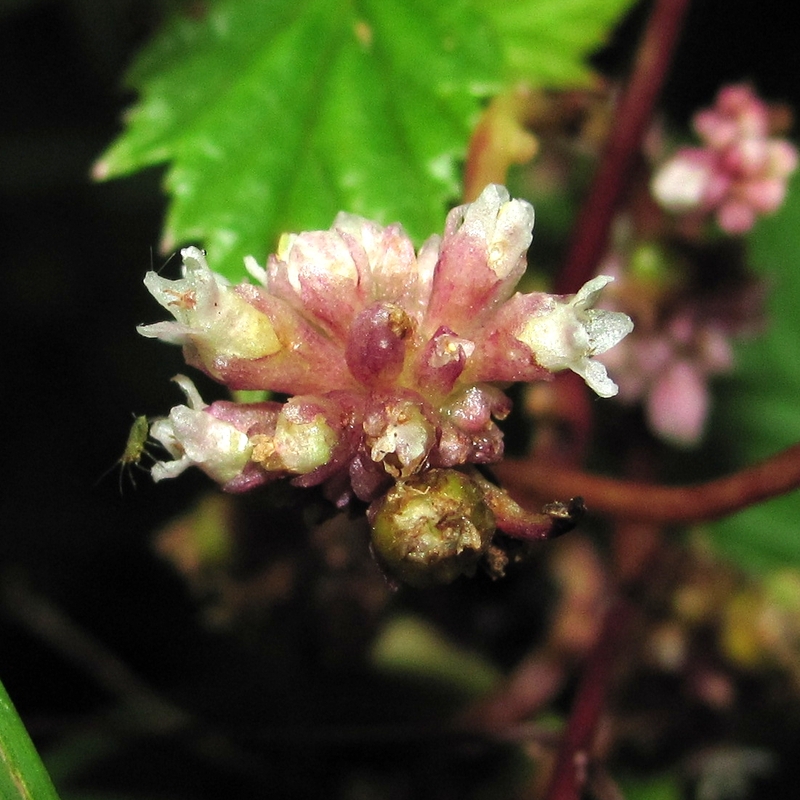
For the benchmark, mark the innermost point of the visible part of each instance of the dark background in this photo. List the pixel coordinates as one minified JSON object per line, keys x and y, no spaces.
{"x":74,"y":370}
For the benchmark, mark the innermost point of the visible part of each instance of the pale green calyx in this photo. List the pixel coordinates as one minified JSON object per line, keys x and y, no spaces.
{"x":303,"y":446}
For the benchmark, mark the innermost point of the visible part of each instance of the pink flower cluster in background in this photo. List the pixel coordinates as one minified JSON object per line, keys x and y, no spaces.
{"x":683,"y":338}
{"x":738,"y":173}
{"x":668,"y":370}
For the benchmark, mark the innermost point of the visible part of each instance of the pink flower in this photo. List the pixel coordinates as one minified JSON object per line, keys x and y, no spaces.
{"x":737,"y":174}
{"x":667,"y":365}
{"x":678,"y":404}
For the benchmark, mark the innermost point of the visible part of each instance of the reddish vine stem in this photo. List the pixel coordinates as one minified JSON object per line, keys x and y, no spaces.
{"x":622,"y":149}
{"x":574,"y":749}
{"x":588,"y":245}
{"x":646,"y":502}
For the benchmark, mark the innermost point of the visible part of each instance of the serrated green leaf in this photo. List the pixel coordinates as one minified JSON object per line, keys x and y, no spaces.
{"x":274,"y":116}
{"x":760,"y":411}
{"x":547,"y":41}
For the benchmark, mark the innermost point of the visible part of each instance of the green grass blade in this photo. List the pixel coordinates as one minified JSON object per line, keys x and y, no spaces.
{"x":22,"y":774}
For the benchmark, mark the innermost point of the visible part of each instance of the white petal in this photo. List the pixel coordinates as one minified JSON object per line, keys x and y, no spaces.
{"x":190,"y":390}
{"x":162,"y":470}
{"x":680,"y":184}
{"x":596,"y":377}
{"x":605,"y":329}
{"x":588,"y":293}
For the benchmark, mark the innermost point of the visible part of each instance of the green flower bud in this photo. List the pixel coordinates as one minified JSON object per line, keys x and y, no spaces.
{"x":432,"y":527}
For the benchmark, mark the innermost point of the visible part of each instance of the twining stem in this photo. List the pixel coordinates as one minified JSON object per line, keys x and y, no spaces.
{"x":575,"y":746}
{"x":573,"y":763}
{"x":591,"y":229}
{"x":647,"y":502}
{"x":634,"y":502}
{"x":589,"y":243}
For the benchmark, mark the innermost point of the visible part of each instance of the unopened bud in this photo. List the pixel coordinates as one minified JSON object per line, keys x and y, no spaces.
{"x":376,"y":344}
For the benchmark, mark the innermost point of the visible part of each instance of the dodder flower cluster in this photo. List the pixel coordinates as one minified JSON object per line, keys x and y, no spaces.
{"x":392,"y":360}
{"x":738,"y":173}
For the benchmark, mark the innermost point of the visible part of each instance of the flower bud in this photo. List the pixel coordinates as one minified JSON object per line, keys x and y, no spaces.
{"x":320,"y":269}
{"x":376,"y":344}
{"x":303,"y":440}
{"x":481,"y":259}
{"x":432,"y":527}
{"x":443,"y":360}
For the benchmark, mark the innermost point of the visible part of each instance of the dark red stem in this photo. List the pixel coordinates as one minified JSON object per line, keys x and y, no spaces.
{"x":575,"y":746}
{"x":589,"y":243}
{"x":591,"y":230}
{"x":646,"y":502}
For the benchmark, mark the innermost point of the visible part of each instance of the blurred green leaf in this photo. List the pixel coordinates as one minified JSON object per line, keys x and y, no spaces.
{"x":410,"y":646}
{"x":760,"y":409}
{"x":662,"y":787}
{"x":22,"y":774}
{"x":274,"y":116}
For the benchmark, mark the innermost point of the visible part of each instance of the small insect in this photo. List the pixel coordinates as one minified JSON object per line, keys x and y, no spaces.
{"x":136,"y":445}
{"x":135,"y":450}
